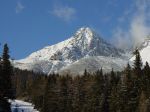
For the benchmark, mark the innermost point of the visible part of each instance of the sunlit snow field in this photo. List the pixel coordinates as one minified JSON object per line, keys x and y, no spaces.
{"x":21,"y":106}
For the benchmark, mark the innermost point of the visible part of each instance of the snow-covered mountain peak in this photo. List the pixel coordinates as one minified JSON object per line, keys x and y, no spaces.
{"x":85,"y":42}
{"x":73,"y":48}
{"x":86,"y":35}
{"x":85,"y":30}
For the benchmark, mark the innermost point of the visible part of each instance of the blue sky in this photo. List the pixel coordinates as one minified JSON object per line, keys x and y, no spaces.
{"x":29,"y":25}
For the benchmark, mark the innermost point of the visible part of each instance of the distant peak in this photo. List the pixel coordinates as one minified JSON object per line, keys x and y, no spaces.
{"x":85,"y":29}
{"x":86,"y":32}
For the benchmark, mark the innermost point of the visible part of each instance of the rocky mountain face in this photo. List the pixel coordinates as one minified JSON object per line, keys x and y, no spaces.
{"x":85,"y":47}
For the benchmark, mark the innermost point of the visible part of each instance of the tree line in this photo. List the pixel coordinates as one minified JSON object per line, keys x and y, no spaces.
{"x":126,"y":91}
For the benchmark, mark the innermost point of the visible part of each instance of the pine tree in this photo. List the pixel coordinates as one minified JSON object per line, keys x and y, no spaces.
{"x":80,"y":94}
{"x":50,"y":98}
{"x":127,"y":77}
{"x":97,"y":95}
{"x":133,"y":95}
{"x":146,"y":67}
{"x":64,"y":93}
{"x":1,"y":78}
{"x":123,"y":97}
{"x":85,"y":72}
{"x":124,"y":89}
{"x":137,"y":64}
{"x":146,"y":79}
{"x":127,"y":73}
{"x":136,"y":83}
{"x":107,"y":92}
{"x":6,"y":81}
{"x":113,"y":78}
{"x":7,"y":73}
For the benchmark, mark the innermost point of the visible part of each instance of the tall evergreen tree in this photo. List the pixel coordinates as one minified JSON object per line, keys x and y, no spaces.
{"x":98,"y":92}
{"x":137,"y":64}
{"x":7,"y":73}
{"x":1,"y":78}
{"x":127,"y":73}
{"x":146,"y":79}
{"x":131,"y":87}
{"x":6,"y":79}
{"x":50,"y":98}
{"x":64,"y":94}
{"x":136,"y":83}
{"x":146,"y":67}
{"x":125,"y":90}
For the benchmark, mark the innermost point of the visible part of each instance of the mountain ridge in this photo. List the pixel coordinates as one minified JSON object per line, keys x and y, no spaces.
{"x":84,"y":43}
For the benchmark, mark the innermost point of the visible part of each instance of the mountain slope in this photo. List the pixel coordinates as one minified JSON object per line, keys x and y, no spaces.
{"x":53,"y":58}
{"x":144,"y":50}
{"x":94,"y":63}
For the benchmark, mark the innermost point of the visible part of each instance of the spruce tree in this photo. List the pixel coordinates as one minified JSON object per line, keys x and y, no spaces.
{"x":146,"y":78}
{"x":137,"y":64}
{"x":124,"y":89}
{"x":127,"y":90}
{"x":123,"y":97}
{"x":98,"y":92}
{"x":1,"y":78}
{"x":147,"y":67}
{"x":79,"y":94}
{"x":64,"y":93}
{"x":5,"y":80}
{"x":136,"y":84}
{"x":50,"y":98}
{"x":127,"y":73}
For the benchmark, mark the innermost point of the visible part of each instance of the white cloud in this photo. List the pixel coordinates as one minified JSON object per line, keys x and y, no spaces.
{"x":19,"y":7}
{"x":64,"y":12}
{"x":139,"y":28}
{"x":121,"y":39}
{"x":125,"y":16}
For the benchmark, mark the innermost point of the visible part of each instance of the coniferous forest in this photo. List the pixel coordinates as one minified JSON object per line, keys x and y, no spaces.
{"x":126,"y":91}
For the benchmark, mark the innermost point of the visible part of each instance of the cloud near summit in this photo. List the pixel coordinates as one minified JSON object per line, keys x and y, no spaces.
{"x":19,"y":7}
{"x":65,"y":13}
{"x":138,"y":28}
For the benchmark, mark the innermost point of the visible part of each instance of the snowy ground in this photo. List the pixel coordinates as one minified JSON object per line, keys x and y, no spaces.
{"x":21,"y":106}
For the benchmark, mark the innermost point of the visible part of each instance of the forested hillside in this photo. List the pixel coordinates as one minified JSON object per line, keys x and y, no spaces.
{"x":126,"y":91}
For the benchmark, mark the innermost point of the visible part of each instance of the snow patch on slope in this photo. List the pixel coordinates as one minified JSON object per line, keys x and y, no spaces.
{"x":144,"y":50}
{"x":21,"y":106}
{"x":94,"y":63}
